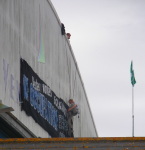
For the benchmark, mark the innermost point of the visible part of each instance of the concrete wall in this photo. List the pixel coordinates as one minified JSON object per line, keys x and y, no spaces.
{"x":121,"y":143}
{"x":26,"y":27}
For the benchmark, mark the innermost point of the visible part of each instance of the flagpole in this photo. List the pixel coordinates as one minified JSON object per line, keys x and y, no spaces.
{"x":132,"y":111}
{"x":133,"y":82}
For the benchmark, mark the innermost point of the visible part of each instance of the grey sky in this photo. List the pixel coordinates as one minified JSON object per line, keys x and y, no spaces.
{"x":106,"y":36}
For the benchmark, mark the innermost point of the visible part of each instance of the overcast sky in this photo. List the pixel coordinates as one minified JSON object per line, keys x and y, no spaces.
{"x":106,"y":36}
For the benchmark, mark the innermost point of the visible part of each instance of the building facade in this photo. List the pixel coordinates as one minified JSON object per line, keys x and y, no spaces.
{"x":39,"y":73}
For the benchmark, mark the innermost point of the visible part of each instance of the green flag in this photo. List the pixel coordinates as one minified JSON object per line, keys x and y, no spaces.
{"x":133,"y":81}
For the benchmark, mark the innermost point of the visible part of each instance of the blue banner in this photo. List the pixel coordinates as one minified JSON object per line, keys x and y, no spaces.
{"x":40,"y":102}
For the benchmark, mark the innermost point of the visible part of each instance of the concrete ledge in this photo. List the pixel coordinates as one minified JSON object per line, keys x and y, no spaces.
{"x":98,"y":139}
{"x":115,"y":143}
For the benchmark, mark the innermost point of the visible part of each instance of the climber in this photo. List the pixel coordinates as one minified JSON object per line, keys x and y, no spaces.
{"x":72,"y":111}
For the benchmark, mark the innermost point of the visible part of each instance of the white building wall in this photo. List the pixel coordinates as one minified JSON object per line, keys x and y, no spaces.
{"x":26,"y":25}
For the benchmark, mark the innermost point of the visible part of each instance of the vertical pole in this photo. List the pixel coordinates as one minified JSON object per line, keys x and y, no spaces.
{"x":132,"y":112}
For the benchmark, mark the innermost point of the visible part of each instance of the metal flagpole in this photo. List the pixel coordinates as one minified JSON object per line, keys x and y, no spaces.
{"x":133,"y":82}
{"x":132,"y":111}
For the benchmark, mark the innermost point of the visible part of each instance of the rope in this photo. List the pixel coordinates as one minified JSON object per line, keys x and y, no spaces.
{"x":74,"y":84}
{"x":68,"y":71}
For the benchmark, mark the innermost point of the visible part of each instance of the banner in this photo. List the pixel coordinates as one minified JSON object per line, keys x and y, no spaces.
{"x":40,"y":102}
